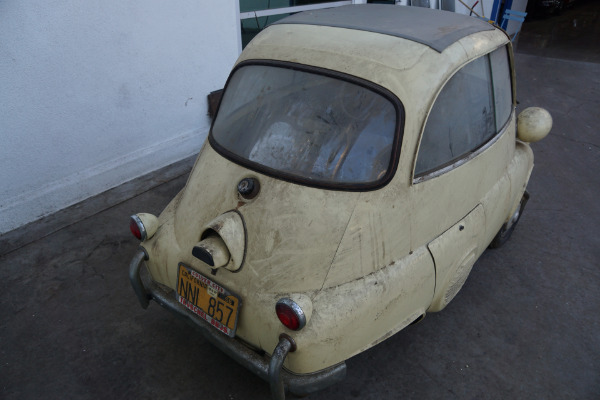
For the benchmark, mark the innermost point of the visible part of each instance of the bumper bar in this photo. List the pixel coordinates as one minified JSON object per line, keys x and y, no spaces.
{"x":278,"y":378}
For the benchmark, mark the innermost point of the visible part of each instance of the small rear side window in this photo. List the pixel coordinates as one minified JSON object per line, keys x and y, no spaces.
{"x":501,"y":78}
{"x":470,"y":110}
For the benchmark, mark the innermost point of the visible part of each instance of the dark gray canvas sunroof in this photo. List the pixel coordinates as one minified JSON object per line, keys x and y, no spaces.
{"x":434,"y":28}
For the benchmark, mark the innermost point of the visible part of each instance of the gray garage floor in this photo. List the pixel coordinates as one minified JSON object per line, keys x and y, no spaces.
{"x":525,"y":326}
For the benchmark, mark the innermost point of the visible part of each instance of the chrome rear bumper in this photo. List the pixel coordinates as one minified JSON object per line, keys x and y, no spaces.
{"x":267,"y":368}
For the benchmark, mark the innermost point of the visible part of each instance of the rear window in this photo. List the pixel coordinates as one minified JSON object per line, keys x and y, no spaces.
{"x":305,"y":126}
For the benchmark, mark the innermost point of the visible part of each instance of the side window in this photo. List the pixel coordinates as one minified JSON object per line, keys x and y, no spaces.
{"x":501,"y":78}
{"x":468,"y":112}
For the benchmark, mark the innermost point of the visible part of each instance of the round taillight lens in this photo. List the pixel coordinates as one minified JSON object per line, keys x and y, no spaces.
{"x":290,"y":314}
{"x":137,"y":227}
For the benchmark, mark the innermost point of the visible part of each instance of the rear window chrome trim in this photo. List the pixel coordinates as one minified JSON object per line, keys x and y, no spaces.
{"x":342,"y":186}
{"x":462,"y":159}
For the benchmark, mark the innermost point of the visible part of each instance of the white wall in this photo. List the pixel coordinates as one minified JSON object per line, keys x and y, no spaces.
{"x":94,"y":94}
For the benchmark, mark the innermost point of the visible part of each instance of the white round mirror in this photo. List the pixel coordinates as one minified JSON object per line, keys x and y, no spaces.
{"x":533,"y":124}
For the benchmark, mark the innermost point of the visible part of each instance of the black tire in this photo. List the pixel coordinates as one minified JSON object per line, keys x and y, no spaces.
{"x":506,"y":231}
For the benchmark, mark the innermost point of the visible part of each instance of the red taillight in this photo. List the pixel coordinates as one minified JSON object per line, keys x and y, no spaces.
{"x":137,"y":227}
{"x":290,"y":314}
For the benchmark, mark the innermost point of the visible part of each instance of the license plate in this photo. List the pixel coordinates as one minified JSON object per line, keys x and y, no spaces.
{"x":208,"y":300}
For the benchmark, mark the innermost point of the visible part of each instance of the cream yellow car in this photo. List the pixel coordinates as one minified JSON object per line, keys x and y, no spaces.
{"x":360,"y":161}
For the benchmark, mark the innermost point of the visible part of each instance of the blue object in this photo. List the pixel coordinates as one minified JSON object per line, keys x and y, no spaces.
{"x":496,"y":10}
{"x":512,"y":15}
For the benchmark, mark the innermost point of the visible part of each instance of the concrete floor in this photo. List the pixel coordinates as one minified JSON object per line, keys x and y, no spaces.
{"x":524,"y":326}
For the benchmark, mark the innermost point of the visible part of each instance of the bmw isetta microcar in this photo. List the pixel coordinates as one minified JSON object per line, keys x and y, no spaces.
{"x":360,"y":161}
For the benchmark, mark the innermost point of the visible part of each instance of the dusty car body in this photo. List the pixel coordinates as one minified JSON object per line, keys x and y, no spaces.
{"x":361,"y":160}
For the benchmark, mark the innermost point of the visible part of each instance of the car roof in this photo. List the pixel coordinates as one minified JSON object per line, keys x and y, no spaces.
{"x":434,"y":28}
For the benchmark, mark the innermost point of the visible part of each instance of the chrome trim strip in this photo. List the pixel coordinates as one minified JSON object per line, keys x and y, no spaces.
{"x":459,"y":162}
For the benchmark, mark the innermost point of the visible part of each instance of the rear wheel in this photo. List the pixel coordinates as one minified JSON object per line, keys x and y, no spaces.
{"x":507,"y":229}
